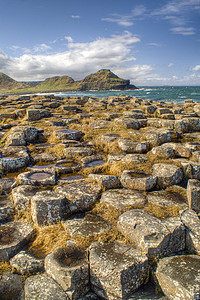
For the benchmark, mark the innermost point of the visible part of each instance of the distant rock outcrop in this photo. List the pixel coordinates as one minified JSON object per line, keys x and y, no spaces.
{"x":99,"y":81}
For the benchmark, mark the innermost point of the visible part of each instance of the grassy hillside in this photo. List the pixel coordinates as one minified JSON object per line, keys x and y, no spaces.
{"x":102,"y":80}
{"x":7,"y":83}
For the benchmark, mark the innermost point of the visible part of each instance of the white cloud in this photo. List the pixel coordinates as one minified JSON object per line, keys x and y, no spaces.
{"x":178,"y":14}
{"x":41,"y":48}
{"x":127,"y":20}
{"x":170,"y":65}
{"x":75,"y":17}
{"x":78,"y":61}
{"x":196,"y":68}
{"x":183,"y":30}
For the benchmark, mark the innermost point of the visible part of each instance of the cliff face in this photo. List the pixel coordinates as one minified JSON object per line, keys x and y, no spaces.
{"x":101,"y":80}
{"x":104,"y":80}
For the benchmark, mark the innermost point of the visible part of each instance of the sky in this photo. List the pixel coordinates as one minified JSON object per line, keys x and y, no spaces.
{"x":150,"y":42}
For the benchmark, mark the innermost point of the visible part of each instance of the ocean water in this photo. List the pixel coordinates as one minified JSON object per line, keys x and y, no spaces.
{"x":159,"y":93}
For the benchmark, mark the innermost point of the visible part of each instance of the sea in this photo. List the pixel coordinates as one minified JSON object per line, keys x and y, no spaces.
{"x":157,"y":93}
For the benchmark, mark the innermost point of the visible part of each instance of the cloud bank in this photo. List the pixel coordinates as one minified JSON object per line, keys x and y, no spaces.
{"x":77,"y":61}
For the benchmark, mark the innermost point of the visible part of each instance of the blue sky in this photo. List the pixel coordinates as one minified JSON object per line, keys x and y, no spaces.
{"x":150,"y":42}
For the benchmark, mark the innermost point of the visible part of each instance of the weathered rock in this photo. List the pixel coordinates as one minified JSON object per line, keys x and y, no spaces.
{"x":43,"y":287}
{"x":78,"y":151}
{"x":150,"y":235}
{"x":21,"y":196}
{"x":165,"y":204}
{"x":81,"y":197}
{"x":17,"y":161}
{"x":86,"y":226}
{"x":193,"y":194}
{"x":134,"y":158}
{"x":137,"y":180}
{"x":70,"y":269}
{"x":6,"y":208}
{"x":92,"y":161}
{"x":116,"y":270}
{"x":109,"y":138}
{"x":192,"y":223}
{"x":11,"y":286}
{"x":158,"y":137}
{"x":6,"y":184}
{"x":26,"y":264}
{"x":167,"y":174}
{"x":122,"y":199}
{"x":178,"y":276}
{"x":13,"y":236}
{"x":68,"y":134}
{"x":33,"y":114}
{"x":37,"y":178}
{"x":44,"y":157}
{"x":115,"y":157}
{"x":129,"y":146}
{"x":165,"y":150}
{"x":106,"y":181}
{"x":128,"y":123}
{"x":48,"y":208}
{"x":67,"y":166}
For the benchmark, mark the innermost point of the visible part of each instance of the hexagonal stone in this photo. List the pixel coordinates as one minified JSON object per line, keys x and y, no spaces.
{"x":69,"y":268}
{"x":109,"y":138}
{"x":81,"y":196}
{"x":158,"y":136}
{"x":6,"y":184}
{"x":33,"y":114}
{"x":167,"y":174}
{"x":129,"y":146}
{"x":151,"y":235}
{"x":106,"y":181}
{"x":69,"y":134}
{"x":37,"y":178}
{"x":6,"y":208}
{"x":43,"y":287}
{"x":25,"y":263}
{"x":128,"y":123}
{"x":67,"y":166}
{"x":87,"y":226}
{"x":179,"y":276}
{"x":134,"y":158}
{"x":11,"y":286}
{"x":138,"y":180}
{"x":165,"y":203}
{"x":78,"y":151}
{"x":21,"y":196}
{"x":191,"y":221}
{"x":121,"y":199}
{"x":48,"y":208}
{"x":193,"y":194}
{"x":13,"y":236}
{"x":13,"y":163}
{"x":116,"y":270}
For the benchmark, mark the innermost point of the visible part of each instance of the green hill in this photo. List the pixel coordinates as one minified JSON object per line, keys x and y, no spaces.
{"x":7,"y":83}
{"x":101,"y":80}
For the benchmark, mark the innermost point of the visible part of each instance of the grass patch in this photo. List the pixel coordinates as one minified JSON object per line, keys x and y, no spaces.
{"x":5,"y":267}
{"x":48,"y":239}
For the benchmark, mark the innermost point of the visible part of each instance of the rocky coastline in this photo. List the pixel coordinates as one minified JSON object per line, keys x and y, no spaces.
{"x":100,"y":198}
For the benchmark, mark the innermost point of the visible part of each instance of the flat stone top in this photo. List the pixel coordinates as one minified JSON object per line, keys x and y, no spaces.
{"x":39,"y":175}
{"x":74,"y":191}
{"x":117,"y":254}
{"x":123,"y":198}
{"x":184,"y":269}
{"x":166,"y":198}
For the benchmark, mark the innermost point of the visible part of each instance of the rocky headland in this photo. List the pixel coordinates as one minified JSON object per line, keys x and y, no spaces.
{"x":100,"y":81}
{"x":100,"y":198}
